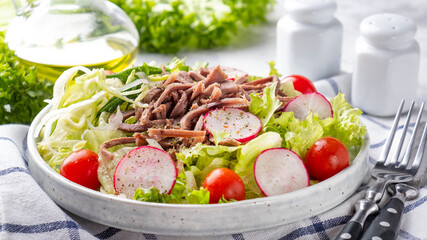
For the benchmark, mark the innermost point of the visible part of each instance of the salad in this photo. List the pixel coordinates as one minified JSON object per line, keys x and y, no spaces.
{"x":195,"y":135}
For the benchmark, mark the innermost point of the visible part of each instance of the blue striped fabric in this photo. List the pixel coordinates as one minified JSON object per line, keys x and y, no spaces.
{"x":26,"y":212}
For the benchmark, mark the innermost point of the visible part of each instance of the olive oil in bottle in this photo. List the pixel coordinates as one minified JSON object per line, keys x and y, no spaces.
{"x":58,"y":34}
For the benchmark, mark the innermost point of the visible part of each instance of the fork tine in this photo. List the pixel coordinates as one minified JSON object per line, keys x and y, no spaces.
{"x":396,"y":156}
{"x":389,"y":141}
{"x":408,"y":152}
{"x":395,"y":159}
{"x":420,"y":151}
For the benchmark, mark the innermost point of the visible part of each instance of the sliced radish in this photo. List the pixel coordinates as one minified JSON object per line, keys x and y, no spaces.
{"x":242,"y":126}
{"x":145,"y":167}
{"x":232,"y":73}
{"x":280,"y":170}
{"x":314,"y":102}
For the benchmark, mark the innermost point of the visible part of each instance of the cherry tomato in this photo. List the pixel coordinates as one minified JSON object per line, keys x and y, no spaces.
{"x":223,"y":181}
{"x":301,"y":83}
{"x":326,"y":157}
{"x":81,"y":167}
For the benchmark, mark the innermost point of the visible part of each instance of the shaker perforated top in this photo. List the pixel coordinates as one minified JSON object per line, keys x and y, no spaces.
{"x":388,"y":29}
{"x":311,"y":11}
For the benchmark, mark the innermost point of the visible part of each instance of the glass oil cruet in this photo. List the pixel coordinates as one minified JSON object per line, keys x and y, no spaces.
{"x":55,"y":35}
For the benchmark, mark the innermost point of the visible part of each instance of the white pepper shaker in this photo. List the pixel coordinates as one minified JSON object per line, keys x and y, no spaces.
{"x":309,"y":39}
{"x":387,"y":64}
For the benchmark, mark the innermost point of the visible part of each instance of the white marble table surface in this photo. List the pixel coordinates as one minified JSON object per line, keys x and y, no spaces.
{"x":257,"y":46}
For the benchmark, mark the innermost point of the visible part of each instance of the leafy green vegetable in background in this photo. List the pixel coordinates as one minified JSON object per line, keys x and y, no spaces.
{"x":166,"y":26}
{"x":22,"y":94}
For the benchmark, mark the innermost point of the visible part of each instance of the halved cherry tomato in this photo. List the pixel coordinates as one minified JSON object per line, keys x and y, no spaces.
{"x":301,"y":83}
{"x":223,"y":181}
{"x":81,"y":167}
{"x":326,"y":157}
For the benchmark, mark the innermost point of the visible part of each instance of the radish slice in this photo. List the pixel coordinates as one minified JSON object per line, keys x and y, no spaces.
{"x":242,"y":126}
{"x":314,"y":102}
{"x":280,"y":170}
{"x":232,"y":73}
{"x":145,"y":167}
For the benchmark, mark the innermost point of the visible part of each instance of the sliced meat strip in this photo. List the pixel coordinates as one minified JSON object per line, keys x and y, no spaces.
{"x":169,"y":106}
{"x":241,"y":80}
{"x":196,"y":76}
{"x":141,"y":139}
{"x":252,"y":87}
{"x":114,"y":142}
{"x":215,"y":76}
{"x":171,"y":79}
{"x":146,"y":114}
{"x":277,"y":81}
{"x":244,"y":93}
{"x":153,"y":94}
{"x":230,"y":102}
{"x":198,"y":89}
{"x":142,"y":127}
{"x":180,"y":107}
{"x":208,"y":91}
{"x":175,"y":133}
{"x":261,"y":81}
{"x":174,"y":97}
{"x":199,"y":123}
{"x":138,"y":112}
{"x":160,"y":112}
{"x":183,"y":77}
{"x":229,"y":87}
{"x":170,"y":89}
{"x":187,"y":120}
{"x":215,"y":96}
{"x":169,"y":143}
{"x":204,"y":72}
{"x":284,"y":101}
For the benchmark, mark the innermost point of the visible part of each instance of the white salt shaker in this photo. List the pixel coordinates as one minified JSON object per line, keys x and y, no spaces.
{"x":387,"y":64}
{"x":309,"y":39}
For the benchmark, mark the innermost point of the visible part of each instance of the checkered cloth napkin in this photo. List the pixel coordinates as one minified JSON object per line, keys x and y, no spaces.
{"x":26,"y":212}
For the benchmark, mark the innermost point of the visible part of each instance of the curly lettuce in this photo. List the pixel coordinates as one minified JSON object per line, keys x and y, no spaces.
{"x":167,"y":26}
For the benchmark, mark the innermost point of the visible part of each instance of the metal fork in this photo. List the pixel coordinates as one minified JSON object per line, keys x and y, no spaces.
{"x":387,"y":171}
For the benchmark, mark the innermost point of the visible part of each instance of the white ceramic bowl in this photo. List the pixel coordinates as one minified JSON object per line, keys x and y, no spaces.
{"x":195,"y":220}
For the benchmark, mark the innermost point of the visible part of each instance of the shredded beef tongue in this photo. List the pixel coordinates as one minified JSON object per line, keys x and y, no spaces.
{"x":216,"y":76}
{"x":180,"y":107}
{"x":261,"y":81}
{"x":170,"y":89}
{"x":152,"y":94}
{"x":196,"y":76}
{"x":114,"y":142}
{"x":160,"y":112}
{"x":175,"y":133}
{"x":183,"y":77}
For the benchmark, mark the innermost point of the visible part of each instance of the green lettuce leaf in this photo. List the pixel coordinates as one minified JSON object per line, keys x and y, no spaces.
{"x":180,"y":194}
{"x":347,"y":128}
{"x":265,"y":107}
{"x":202,"y":159}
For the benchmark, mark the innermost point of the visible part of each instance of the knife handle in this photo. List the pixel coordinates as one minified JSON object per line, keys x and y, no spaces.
{"x":351,"y":231}
{"x":386,"y":224}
